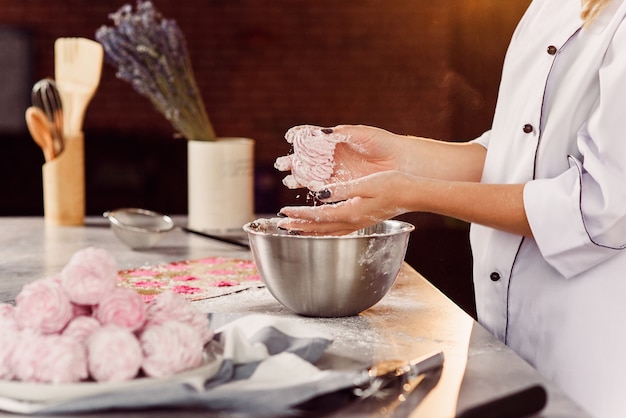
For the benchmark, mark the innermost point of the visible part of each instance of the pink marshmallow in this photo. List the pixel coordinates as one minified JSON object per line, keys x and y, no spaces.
{"x":81,"y":328}
{"x":170,"y":348}
{"x":10,"y":339}
{"x":49,"y":359}
{"x":123,"y":307}
{"x":43,"y":305}
{"x":312,"y":162}
{"x":169,"y":306}
{"x":114,"y":354}
{"x":90,"y":274}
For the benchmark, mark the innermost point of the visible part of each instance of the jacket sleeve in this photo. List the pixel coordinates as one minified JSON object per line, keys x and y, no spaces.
{"x":578,"y":219}
{"x":483,"y":139}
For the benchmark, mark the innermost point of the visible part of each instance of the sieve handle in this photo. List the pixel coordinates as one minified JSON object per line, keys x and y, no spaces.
{"x":216,"y":237}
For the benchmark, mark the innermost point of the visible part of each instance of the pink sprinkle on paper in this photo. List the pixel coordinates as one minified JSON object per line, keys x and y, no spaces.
{"x":224,"y":283}
{"x":185,"y":290}
{"x":148,"y":283}
{"x":185,"y":278}
{"x":143,"y":272}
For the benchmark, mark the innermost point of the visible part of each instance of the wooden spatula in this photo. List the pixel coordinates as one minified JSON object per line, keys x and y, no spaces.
{"x":77,"y":70}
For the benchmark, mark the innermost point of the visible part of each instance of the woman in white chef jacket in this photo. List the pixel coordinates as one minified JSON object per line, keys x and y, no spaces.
{"x":544,"y":189}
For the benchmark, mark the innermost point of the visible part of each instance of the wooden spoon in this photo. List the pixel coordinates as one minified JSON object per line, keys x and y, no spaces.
{"x":39,"y":129}
{"x":77,"y":71}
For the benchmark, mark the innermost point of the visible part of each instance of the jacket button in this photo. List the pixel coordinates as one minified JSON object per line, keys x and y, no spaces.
{"x":495,"y":276}
{"x":528,"y":128}
{"x":552,"y":50}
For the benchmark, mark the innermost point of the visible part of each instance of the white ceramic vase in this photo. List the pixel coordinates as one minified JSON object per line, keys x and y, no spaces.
{"x":220,"y":178}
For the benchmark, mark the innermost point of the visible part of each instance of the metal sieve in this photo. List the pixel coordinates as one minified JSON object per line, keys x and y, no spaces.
{"x":143,"y":228}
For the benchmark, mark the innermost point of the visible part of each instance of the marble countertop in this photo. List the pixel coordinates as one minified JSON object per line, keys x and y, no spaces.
{"x":412,"y":320}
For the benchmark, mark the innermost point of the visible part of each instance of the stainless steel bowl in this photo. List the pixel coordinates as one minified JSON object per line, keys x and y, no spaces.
{"x":139,"y":228}
{"x":329,"y":276}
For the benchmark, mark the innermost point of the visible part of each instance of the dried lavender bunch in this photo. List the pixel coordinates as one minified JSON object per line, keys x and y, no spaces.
{"x":151,"y":54}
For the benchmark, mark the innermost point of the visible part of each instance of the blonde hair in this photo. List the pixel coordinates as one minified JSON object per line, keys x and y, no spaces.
{"x":591,"y":9}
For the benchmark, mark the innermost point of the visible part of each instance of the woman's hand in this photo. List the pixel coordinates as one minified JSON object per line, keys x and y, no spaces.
{"x":352,"y":205}
{"x":356,"y":204}
{"x":359,"y":151}
{"x":364,"y":150}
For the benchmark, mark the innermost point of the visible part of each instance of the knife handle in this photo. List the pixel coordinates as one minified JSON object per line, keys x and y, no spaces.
{"x":424,"y":364}
{"x":522,"y":403}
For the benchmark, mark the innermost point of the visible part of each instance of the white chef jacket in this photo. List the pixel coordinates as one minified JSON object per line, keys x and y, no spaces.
{"x":559,"y":299}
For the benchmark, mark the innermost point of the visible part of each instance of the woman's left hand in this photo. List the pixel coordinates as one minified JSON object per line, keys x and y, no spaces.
{"x":351,"y":205}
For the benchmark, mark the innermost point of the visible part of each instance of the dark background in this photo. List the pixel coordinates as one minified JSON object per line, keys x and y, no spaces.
{"x":429,"y":68}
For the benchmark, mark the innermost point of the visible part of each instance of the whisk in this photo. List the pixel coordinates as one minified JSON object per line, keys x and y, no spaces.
{"x":46,"y":97}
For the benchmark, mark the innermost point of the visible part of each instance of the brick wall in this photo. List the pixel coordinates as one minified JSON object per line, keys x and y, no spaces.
{"x":262,"y":66}
{"x":265,"y":65}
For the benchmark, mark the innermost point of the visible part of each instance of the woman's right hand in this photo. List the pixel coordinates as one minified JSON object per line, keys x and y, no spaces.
{"x":355,"y":204}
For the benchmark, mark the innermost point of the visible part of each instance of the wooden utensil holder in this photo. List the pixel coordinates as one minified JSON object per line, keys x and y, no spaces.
{"x":64,"y":185}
